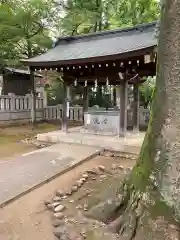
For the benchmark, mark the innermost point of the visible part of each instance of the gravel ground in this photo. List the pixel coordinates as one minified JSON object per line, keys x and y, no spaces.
{"x":27,"y":218}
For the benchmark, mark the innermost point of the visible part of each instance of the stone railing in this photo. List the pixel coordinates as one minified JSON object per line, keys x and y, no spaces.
{"x":76,"y":113}
{"x":16,"y":103}
{"x":14,"y":108}
{"x":143,"y":117}
{"x":55,"y":112}
{"x":19,"y":108}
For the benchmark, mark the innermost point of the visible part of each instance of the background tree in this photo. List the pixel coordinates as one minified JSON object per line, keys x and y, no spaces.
{"x":25,"y":29}
{"x":83,"y":16}
{"x":147,"y":91}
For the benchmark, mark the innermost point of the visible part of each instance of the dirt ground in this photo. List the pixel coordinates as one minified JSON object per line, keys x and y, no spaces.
{"x":11,"y":136}
{"x":27,"y":218}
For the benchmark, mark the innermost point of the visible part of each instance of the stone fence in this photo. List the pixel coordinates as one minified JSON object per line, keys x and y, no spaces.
{"x":14,"y":108}
{"x":76,"y":113}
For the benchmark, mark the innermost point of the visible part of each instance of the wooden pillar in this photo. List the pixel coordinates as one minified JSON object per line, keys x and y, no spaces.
{"x":114,"y":96}
{"x":65,"y":109}
{"x":136,"y":108}
{"x":33,"y":98}
{"x":85,"y":99}
{"x":123,"y":108}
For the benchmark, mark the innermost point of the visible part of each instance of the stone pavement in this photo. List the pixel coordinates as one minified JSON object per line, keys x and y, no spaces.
{"x":26,"y":172}
{"x":131,"y":143}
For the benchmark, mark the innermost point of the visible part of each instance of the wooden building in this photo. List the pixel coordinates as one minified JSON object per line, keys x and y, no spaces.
{"x":118,"y":57}
{"x":18,"y":81}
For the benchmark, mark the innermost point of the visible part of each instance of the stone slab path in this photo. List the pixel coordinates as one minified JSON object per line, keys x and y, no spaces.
{"x":131,"y":143}
{"x":22,"y":174}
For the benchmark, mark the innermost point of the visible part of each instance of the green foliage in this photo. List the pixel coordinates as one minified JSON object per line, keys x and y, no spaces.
{"x":82,"y":16}
{"x":133,"y":12}
{"x":147,"y":91}
{"x":25,"y":29}
{"x":55,"y":92}
{"x":100,"y":97}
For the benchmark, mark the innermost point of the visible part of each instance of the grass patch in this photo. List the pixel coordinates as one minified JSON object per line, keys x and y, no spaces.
{"x":11,"y":136}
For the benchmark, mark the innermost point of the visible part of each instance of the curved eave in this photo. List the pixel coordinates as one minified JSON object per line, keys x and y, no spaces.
{"x":118,"y":56}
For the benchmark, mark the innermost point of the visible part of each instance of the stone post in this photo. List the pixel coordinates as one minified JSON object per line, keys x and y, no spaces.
{"x":136,"y":108}
{"x":12,"y":101}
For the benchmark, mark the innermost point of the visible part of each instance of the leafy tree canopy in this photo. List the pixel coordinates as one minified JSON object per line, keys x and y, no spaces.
{"x":82,"y":16}
{"x":25,"y":29}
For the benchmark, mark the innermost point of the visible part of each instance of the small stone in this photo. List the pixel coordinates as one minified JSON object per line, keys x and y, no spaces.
{"x":59,"y":193}
{"x":59,"y":215}
{"x":121,"y":167}
{"x":71,"y":201}
{"x":59,"y":208}
{"x":108,"y":154}
{"x":57,"y":222}
{"x":64,"y":197}
{"x":93,"y":178}
{"x":74,"y":188}
{"x":101,"y":168}
{"x":79,"y":183}
{"x":46,"y":202}
{"x":57,"y":199}
{"x":103,"y":176}
{"x":55,"y":204}
{"x":79,"y":207}
{"x":50,"y":207}
{"x":85,"y":175}
{"x":69,"y":193}
{"x":92,"y":171}
{"x":82,"y":179}
{"x":114,"y":166}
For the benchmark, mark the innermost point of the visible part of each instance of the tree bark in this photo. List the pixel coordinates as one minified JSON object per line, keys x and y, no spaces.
{"x":151,"y":195}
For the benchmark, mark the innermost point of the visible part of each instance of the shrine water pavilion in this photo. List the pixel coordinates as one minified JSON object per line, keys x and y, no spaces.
{"x":118,"y":57}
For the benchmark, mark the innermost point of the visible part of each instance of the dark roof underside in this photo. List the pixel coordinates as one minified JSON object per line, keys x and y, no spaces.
{"x":103,"y":44}
{"x":21,"y":72}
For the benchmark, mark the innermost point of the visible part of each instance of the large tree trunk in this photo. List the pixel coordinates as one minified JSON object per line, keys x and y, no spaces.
{"x":151,"y":196}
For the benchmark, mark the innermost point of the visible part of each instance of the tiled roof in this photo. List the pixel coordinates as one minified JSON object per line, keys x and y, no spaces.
{"x":100,"y":44}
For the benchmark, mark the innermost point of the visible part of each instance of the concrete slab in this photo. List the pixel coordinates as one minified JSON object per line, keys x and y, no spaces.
{"x":20,"y":175}
{"x":132,"y":142}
